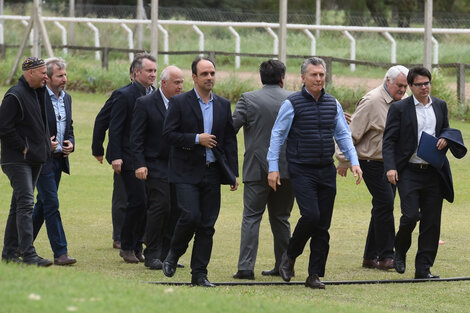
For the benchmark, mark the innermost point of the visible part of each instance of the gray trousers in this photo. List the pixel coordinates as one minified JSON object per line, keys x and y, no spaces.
{"x":256,"y":196}
{"x":19,"y":226}
{"x":118,"y":205}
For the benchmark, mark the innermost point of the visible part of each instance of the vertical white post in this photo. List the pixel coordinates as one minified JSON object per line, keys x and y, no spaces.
{"x":201,"y":38}
{"x":283,"y":30}
{"x":427,"y":34}
{"x":2,"y":38}
{"x":166,"y":57}
{"x":36,"y":48}
{"x":435,"y":54}
{"x":71,"y":24}
{"x":140,"y":27}
{"x":352,"y":49}
{"x":393,"y":52}
{"x":154,"y":33}
{"x":130,"y":40}
{"x":97,"y":39}
{"x":313,"y":42}
{"x":275,"y":38}
{"x":64,"y":36}
{"x":318,"y":17}
{"x":237,"y":46}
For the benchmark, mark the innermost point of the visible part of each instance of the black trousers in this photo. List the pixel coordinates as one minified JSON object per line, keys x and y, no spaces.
{"x":118,"y":205}
{"x":199,"y":206}
{"x":315,"y":192}
{"x":421,"y":200}
{"x":162,"y":214}
{"x":133,"y":227}
{"x":379,"y":242}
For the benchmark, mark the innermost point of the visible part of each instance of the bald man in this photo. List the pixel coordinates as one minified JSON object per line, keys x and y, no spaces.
{"x":151,"y":163}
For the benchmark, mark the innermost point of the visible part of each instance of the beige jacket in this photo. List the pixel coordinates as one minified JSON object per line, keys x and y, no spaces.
{"x":367,"y":126}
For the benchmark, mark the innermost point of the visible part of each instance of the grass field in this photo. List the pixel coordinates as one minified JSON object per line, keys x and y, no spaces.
{"x":102,"y":282}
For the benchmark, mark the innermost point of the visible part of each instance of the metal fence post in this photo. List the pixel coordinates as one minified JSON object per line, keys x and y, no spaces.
{"x":461,"y":84}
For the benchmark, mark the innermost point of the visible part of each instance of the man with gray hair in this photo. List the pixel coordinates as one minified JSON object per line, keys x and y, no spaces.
{"x":367,"y":127}
{"x":309,"y":120}
{"x":59,"y":117}
{"x":150,"y":153}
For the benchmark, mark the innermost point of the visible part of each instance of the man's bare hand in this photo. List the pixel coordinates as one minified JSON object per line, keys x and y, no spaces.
{"x":392,"y":176}
{"x":117,"y":164}
{"x":342,"y":171}
{"x":141,"y":173}
{"x":67,"y":147}
{"x":54,"y":143}
{"x":347,"y":116}
{"x":274,"y":180}
{"x":357,"y":172}
{"x":234,"y":187}
{"x":207,"y":140}
{"x":441,"y":144}
{"x":99,"y":158}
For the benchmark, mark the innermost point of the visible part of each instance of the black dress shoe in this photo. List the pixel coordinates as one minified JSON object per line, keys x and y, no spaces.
{"x":244,"y":274}
{"x":273,"y":272}
{"x":425,"y":275}
{"x":286,"y":268}
{"x":37,"y":260}
{"x":154,"y":264}
{"x":202,"y":282}
{"x":399,"y":263}
{"x":139,"y":256}
{"x":313,"y":281}
{"x":169,"y":265}
{"x":11,"y":259}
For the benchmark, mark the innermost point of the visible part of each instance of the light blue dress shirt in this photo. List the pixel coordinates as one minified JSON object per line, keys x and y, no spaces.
{"x":59,"y":110}
{"x":208,"y":118}
{"x":283,"y":124}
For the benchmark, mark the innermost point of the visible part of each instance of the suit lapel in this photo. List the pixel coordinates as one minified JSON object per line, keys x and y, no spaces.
{"x":196,"y":107}
{"x":411,"y":112}
{"x":159,"y":103}
{"x":438,"y":113}
{"x":51,"y":116}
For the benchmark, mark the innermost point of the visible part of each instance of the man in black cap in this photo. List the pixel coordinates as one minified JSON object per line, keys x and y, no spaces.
{"x":25,"y":145}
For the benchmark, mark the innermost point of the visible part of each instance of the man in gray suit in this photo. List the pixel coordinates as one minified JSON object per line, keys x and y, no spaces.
{"x":256,"y":111}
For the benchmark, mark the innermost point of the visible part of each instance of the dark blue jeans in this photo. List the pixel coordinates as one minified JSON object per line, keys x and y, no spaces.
{"x":19,"y":227}
{"x":47,"y":209}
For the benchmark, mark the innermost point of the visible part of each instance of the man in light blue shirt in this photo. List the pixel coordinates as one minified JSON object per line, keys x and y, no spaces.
{"x":309,"y":120}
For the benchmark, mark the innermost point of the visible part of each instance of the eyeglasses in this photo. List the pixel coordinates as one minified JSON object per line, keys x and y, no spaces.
{"x":425,"y":84}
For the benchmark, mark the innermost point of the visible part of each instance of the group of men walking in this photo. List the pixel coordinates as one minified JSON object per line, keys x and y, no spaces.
{"x":171,"y":152}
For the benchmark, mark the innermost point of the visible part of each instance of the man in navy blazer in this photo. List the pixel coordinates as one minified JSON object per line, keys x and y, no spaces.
{"x":59,"y":117}
{"x":419,"y":184}
{"x":203,"y":155}
{"x":120,"y":156}
{"x":151,"y":165}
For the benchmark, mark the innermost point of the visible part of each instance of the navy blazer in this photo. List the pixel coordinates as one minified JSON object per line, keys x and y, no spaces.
{"x":187,"y":159}
{"x":120,"y":125}
{"x":401,"y":138}
{"x":148,"y":146}
{"x":68,"y":134}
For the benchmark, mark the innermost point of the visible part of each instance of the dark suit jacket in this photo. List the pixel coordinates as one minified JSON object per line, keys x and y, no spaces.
{"x":102,"y":123}
{"x":187,"y":159}
{"x":120,"y":125}
{"x":68,"y":134}
{"x":147,"y":144}
{"x":401,"y":138}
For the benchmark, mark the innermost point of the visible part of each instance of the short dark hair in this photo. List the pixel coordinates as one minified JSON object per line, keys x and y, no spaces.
{"x":137,"y":62}
{"x":196,"y":61}
{"x":417,"y":71}
{"x":272,"y":72}
{"x":313,"y":61}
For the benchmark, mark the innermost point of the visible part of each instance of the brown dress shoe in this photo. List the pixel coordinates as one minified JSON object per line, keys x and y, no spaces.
{"x":313,"y":281}
{"x":64,"y":259}
{"x":117,"y":244}
{"x":385,"y":264}
{"x":128,"y":256}
{"x":370,"y":263}
{"x":286,"y":268}
{"x":139,"y":256}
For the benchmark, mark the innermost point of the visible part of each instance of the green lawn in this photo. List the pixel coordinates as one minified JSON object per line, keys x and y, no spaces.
{"x":102,"y":282}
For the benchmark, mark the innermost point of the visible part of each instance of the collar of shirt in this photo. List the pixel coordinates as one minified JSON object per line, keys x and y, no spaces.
{"x":417,"y":103}
{"x":202,"y":101}
{"x":142,"y":89}
{"x":388,"y":93}
{"x":165,"y":100}
{"x":52,"y":94}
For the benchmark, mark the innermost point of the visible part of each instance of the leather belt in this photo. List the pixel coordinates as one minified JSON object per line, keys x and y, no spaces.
{"x":211,"y":164}
{"x":419,"y":166}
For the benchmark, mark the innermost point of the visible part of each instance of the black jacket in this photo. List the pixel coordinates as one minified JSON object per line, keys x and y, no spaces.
{"x":23,"y":124}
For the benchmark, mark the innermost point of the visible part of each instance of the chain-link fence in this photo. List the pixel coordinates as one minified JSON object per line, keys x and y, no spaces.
{"x":328,"y":17}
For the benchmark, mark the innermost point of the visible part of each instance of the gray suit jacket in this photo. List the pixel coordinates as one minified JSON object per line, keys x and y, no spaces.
{"x":256,"y":111}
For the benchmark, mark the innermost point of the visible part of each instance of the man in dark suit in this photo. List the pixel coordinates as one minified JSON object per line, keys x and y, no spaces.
{"x":203,"y":156}
{"x":119,"y":197}
{"x":151,"y":165}
{"x":120,"y":156}
{"x":256,"y":111}
{"x":419,"y":183}
{"x":59,"y":116}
